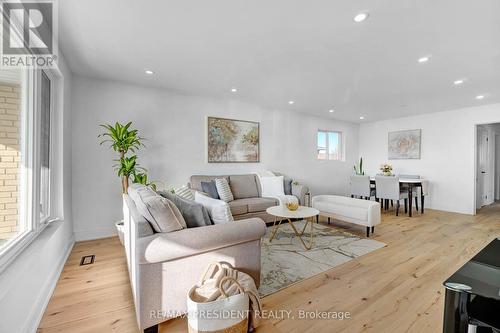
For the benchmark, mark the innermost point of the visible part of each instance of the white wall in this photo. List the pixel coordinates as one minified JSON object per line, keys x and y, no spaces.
{"x":176,"y":148}
{"x":27,"y":283}
{"x":448,"y":158}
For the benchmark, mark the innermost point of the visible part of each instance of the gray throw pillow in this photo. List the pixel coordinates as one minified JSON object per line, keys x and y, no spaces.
{"x":194,"y":213}
{"x":210,"y":189}
{"x":287,"y":183}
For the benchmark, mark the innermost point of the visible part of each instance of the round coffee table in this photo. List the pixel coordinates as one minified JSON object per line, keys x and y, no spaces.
{"x":281,"y":213}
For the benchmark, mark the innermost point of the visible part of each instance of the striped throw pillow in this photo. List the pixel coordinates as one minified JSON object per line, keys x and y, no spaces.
{"x":223,"y":189}
{"x":184,"y":192}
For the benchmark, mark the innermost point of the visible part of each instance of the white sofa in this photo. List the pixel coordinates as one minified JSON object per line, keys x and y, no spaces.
{"x":357,"y":211}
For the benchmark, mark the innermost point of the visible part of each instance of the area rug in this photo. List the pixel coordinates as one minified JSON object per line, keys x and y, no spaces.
{"x":284,"y":261}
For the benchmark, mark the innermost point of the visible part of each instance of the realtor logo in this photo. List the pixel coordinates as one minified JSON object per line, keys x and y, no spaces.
{"x":29,"y":34}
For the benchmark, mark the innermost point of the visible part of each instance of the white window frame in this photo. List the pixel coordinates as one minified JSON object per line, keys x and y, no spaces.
{"x":29,"y":200}
{"x":28,"y":132}
{"x":327,"y":151}
{"x":50,"y":75}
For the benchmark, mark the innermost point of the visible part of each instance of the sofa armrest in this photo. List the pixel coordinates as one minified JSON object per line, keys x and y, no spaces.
{"x":300,"y":192}
{"x":163,"y":247}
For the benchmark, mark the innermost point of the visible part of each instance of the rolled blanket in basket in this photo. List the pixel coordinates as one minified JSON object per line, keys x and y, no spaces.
{"x":208,"y":288}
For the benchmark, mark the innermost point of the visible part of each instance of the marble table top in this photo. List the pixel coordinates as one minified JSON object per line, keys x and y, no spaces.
{"x":301,"y":213}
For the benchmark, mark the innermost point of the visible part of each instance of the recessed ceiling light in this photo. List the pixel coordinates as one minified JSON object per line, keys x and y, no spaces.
{"x":479,"y":96}
{"x":291,"y":102}
{"x":331,"y":111}
{"x":234,"y":90}
{"x":360,"y":17}
{"x":149,"y":72}
{"x":423,"y":59}
{"x":458,"y":82}
{"x":361,"y":117}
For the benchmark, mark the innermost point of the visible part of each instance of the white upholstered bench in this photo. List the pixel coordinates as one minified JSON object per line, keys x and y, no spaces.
{"x":357,"y":211}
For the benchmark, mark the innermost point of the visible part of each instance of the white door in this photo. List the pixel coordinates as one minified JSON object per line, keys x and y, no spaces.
{"x":497,"y":167}
{"x":482,"y":166}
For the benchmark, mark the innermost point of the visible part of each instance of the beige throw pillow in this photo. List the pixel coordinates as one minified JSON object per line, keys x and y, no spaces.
{"x":164,"y":216}
{"x":223,"y":189}
{"x":160,"y":212}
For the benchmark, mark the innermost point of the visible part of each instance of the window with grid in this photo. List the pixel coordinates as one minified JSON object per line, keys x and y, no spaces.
{"x":329,"y":145}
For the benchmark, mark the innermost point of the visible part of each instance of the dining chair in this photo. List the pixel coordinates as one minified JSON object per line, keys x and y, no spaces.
{"x":360,"y":187}
{"x":416,"y":194}
{"x":387,"y":188}
{"x":409,"y":176}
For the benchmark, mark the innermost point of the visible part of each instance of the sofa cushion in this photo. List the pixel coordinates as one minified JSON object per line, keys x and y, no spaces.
{"x":251,"y":205}
{"x":195,"y":181}
{"x":238,"y":207}
{"x":243,"y":186}
{"x":261,"y":204}
{"x":210,"y":189}
{"x":194,"y":213}
{"x":162,"y":213}
{"x":346,"y":210}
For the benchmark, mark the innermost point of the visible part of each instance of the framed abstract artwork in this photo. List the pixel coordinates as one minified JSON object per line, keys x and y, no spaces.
{"x":233,"y":141}
{"x":404,"y":144}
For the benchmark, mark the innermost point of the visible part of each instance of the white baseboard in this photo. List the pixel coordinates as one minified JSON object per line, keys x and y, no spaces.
{"x":83,"y":235}
{"x":35,"y":317}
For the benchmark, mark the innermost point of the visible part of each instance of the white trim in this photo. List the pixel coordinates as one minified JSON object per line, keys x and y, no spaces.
{"x":84,"y":235}
{"x":327,"y":148}
{"x":474,"y":156}
{"x":39,"y":306}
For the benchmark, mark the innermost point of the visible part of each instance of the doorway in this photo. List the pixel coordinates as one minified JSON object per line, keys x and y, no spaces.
{"x":482,"y":167}
{"x":497,"y":165}
{"x":487,"y":165}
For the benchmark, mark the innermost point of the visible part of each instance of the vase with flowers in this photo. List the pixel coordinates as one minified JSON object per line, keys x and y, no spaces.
{"x":386,"y":169}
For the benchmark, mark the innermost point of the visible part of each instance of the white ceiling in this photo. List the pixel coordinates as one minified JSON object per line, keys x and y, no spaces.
{"x":311,"y":52}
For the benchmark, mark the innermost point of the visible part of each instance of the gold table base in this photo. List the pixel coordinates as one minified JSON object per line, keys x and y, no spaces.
{"x":299,"y":235}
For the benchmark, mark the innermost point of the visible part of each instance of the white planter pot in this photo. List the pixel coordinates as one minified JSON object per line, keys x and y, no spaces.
{"x":120,"y":228}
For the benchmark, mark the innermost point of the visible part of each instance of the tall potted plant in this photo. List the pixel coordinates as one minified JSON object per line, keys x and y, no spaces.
{"x":123,"y":140}
{"x":358,"y":169}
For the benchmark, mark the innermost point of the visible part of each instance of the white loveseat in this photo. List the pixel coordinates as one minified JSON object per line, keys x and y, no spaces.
{"x":357,"y":211}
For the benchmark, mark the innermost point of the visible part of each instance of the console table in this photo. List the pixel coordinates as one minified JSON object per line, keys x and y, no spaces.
{"x":473,"y":292}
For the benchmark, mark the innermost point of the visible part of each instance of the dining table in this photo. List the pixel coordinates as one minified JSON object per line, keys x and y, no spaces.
{"x":411,"y":184}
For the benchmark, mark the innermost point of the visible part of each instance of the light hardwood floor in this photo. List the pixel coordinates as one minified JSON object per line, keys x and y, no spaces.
{"x":394,"y":289}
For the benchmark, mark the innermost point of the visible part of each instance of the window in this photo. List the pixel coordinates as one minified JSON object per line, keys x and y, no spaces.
{"x":45,"y":107}
{"x":12,"y":155}
{"x":329,"y":145}
{"x":26,"y":157}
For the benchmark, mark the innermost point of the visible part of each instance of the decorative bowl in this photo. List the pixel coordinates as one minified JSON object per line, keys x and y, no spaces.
{"x":292,"y":206}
